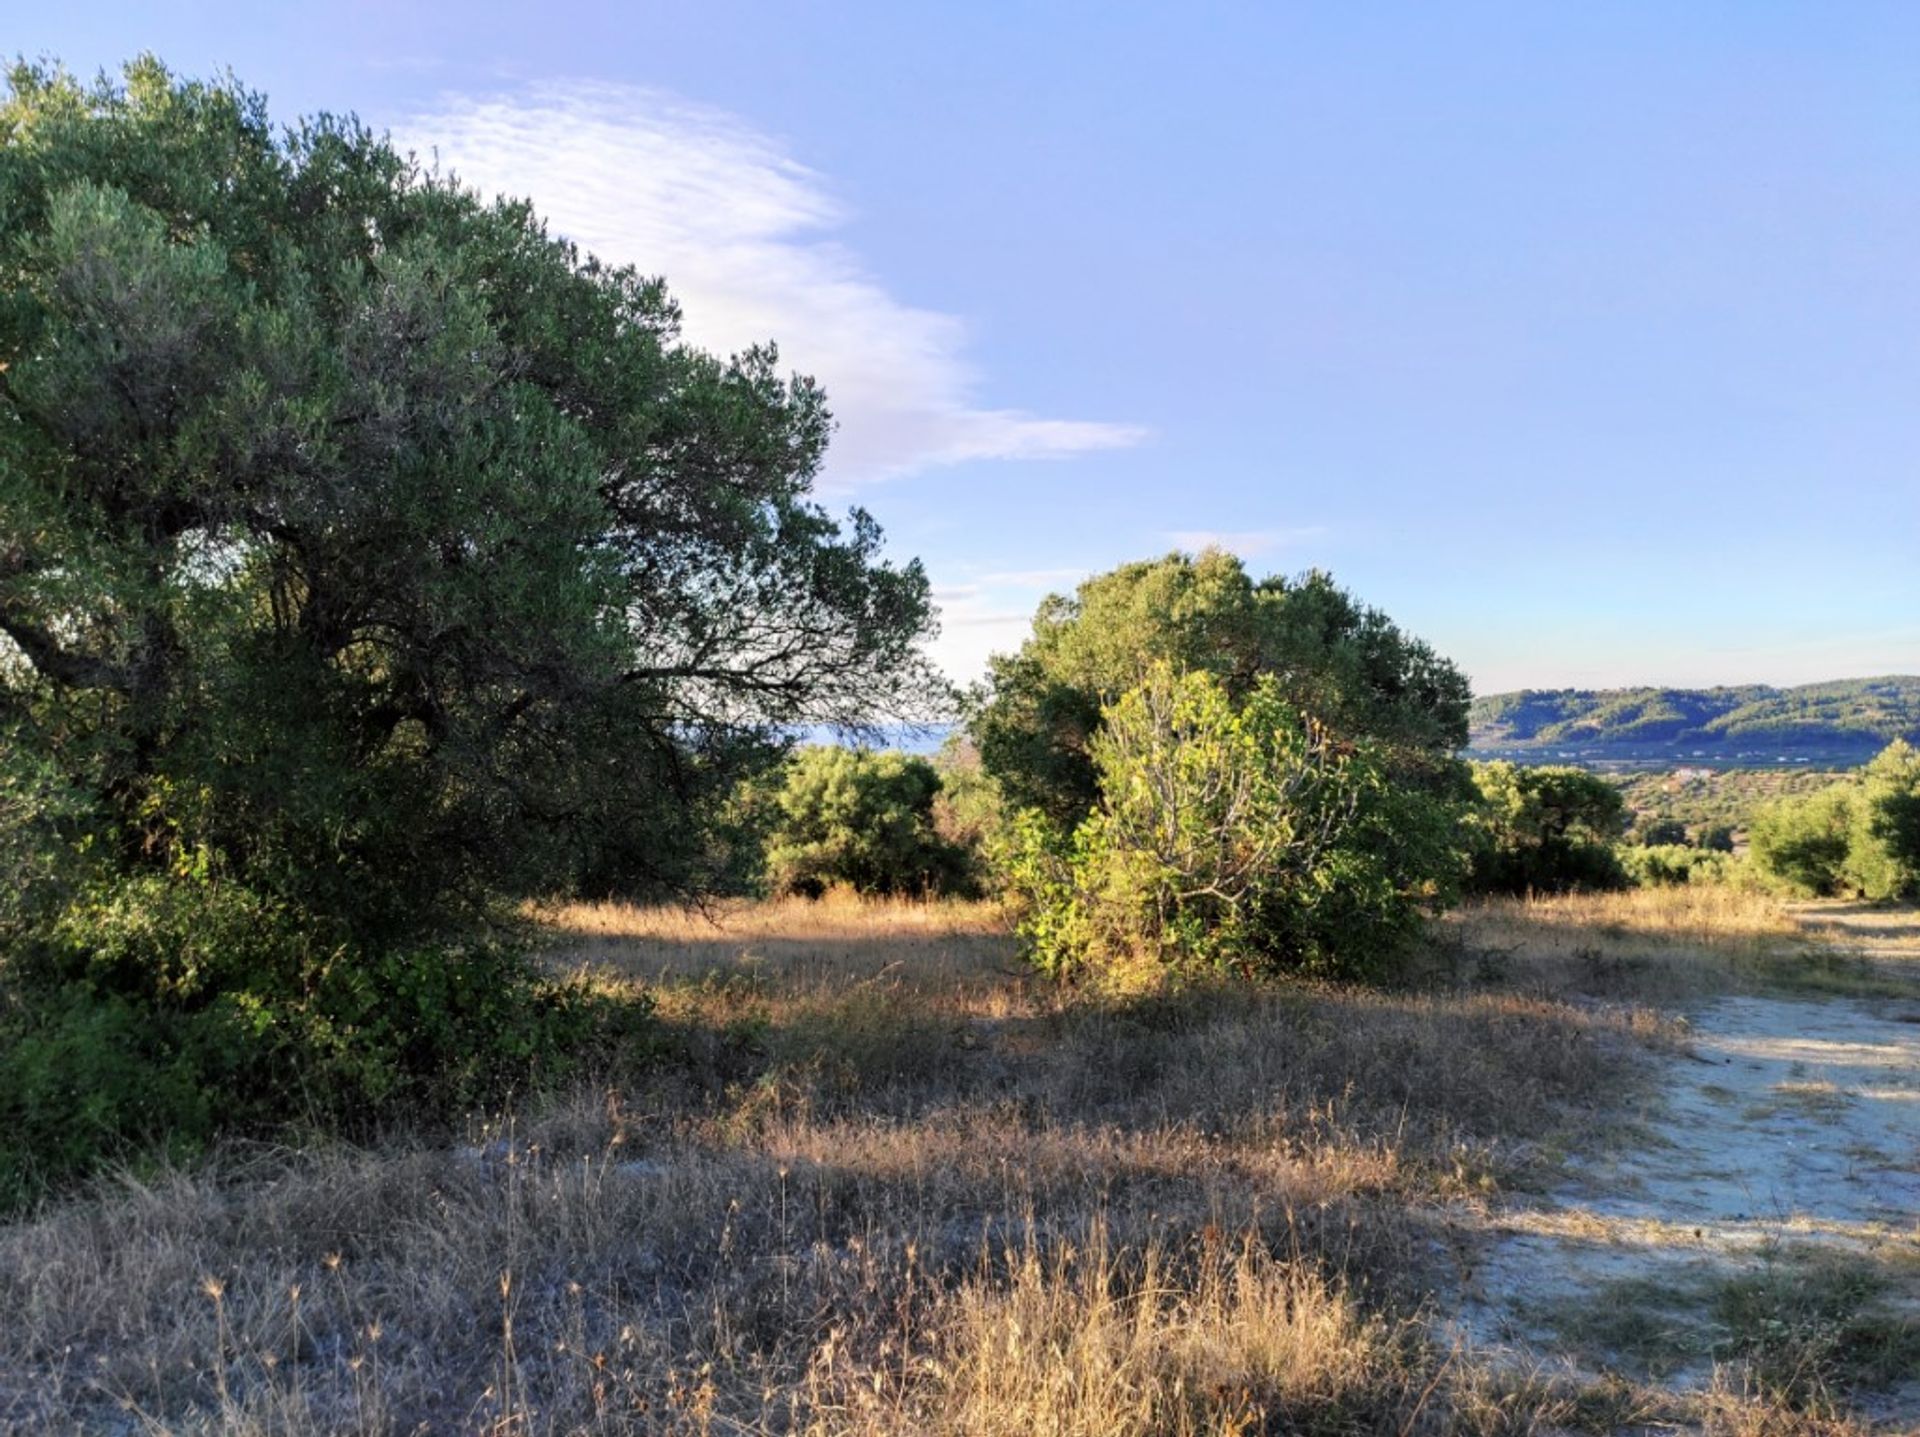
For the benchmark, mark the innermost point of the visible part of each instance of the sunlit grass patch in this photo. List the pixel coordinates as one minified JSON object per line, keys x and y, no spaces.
{"x":1664,"y":944}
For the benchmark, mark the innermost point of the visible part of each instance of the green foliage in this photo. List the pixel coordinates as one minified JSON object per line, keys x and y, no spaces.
{"x":970,"y":811}
{"x":1229,"y":835}
{"x":167,"y":1009}
{"x":1714,"y":837}
{"x":1545,"y":830}
{"x":1800,"y":844}
{"x":1345,"y":665}
{"x":1714,"y":807}
{"x":1883,"y":852}
{"x":41,"y":856}
{"x":1667,"y":865}
{"x":1860,"y":836}
{"x":1660,"y":833}
{"x":1839,"y":722}
{"x":863,"y":820}
{"x":369,"y":558}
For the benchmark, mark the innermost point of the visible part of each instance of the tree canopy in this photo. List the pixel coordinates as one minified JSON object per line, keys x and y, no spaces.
{"x":1860,"y":835}
{"x":357,"y":533}
{"x":862,"y":820}
{"x":1545,"y":830}
{"x":1341,"y":663}
{"x":369,"y":559}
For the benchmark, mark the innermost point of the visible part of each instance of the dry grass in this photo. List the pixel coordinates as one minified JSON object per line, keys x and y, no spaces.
{"x":1664,"y":945}
{"x":885,"y":1184}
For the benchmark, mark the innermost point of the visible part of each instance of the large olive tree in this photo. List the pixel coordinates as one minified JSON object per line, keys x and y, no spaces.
{"x":358,"y":534}
{"x":369,"y":558}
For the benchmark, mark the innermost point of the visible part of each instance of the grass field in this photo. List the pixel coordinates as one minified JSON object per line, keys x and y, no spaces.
{"x":884,"y":1181}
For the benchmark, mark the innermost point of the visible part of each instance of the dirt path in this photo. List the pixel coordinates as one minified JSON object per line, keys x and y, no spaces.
{"x":1781,"y":1166}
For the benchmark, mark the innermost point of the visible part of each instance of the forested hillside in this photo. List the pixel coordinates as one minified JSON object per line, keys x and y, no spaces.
{"x":1844,"y":722}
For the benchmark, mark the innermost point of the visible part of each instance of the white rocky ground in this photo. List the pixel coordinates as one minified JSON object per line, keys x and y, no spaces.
{"x":1790,"y":1130}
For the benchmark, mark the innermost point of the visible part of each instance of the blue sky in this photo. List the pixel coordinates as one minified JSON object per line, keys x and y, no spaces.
{"x":1582,"y":338}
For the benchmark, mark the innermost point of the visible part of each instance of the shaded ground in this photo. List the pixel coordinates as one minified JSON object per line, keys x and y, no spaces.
{"x":1773,"y":1204}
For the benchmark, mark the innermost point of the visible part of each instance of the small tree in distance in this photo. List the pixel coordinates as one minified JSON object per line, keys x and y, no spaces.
{"x":1860,"y":836}
{"x":861,"y":820}
{"x":1545,"y":830}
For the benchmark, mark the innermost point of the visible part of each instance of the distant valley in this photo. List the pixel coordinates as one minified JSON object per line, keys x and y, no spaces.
{"x":1826,"y":725}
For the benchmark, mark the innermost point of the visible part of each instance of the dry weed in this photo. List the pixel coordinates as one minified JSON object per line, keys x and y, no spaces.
{"x":885,"y":1184}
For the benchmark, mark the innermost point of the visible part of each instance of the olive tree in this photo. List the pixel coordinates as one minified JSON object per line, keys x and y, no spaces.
{"x":1858,"y":836}
{"x":370,"y":556}
{"x":862,"y":820}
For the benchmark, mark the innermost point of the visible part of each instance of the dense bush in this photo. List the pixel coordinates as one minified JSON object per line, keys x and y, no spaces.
{"x":1860,"y":836}
{"x":1231,"y":836}
{"x":1660,"y":833}
{"x":1666,"y":865}
{"x":858,"y":819}
{"x":1545,"y":830}
{"x":1800,"y":844}
{"x":1883,"y":857}
{"x":970,"y":811}
{"x":156,"y":1012}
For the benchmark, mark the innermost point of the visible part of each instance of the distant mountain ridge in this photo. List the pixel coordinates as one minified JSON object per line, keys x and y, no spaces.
{"x":1839,"y":724}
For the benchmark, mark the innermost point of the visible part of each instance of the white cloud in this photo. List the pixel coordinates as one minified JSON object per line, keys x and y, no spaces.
{"x":991,"y":612}
{"x":740,"y":231}
{"x":1247,"y":543}
{"x":977,"y":621}
{"x":1049,"y":580}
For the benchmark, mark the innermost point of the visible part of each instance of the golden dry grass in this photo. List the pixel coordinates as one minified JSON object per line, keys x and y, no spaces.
{"x":1664,"y":944}
{"x":883,"y":1183}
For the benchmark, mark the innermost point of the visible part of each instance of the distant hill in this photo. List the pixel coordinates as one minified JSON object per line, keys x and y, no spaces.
{"x":1834,"y":725}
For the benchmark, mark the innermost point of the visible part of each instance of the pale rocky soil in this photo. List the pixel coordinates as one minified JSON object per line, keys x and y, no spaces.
{"x":1786,"y":1134}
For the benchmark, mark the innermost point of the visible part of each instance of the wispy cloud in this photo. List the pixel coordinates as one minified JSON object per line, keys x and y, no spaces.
{"x":1050,"y":580}
{"x":1247,"y":543}
{"x":742,"y":233}
{"x":990,"y":611}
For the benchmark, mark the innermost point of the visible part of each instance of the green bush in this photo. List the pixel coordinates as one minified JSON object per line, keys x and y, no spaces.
{"x":862,"y":820}
{"x":1660,"y":832}
{"x":1799,"y":845}
{"x":1883,"y":850}
{"x":1668,"y":865}
{"x":1859,"y":837}
{"x":1227,"y":837}
{"x":1545,"y":830}
{"x":970,"y":811}
{"x":160,"y":1012}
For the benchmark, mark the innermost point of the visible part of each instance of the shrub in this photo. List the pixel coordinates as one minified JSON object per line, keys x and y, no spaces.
{"x":863,"y":820}
{"x":163,"y":1011}
{"x":969,"y":811}
{"x":1237,"y":837}
{"x":1861,"y":836}
{"x":1799,"y":845}
{"x":1665,"y":865}
{"x":1661,"y":832}
{"x":1714,"y":837}
{"x":1883,"y":848}
{"x":1545,"y":830}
